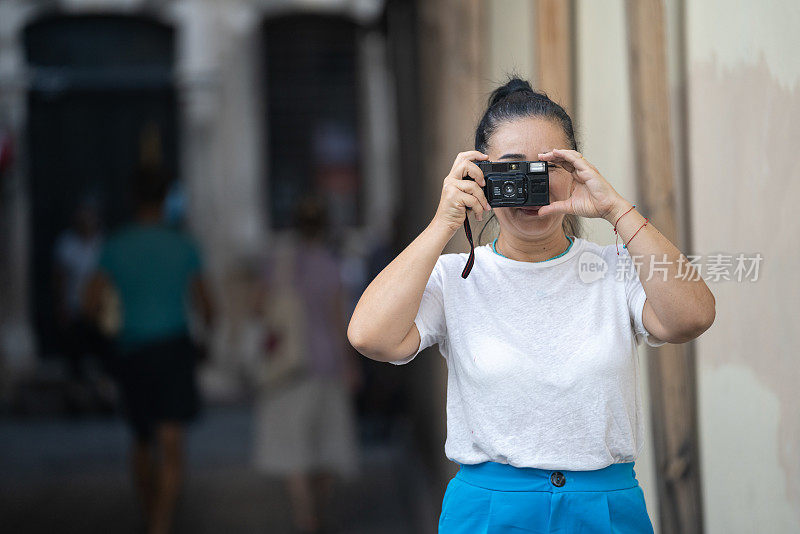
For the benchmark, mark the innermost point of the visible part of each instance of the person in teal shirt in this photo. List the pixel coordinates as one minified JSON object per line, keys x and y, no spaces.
{"x":152,"y":293}
{"x":156,"y":273}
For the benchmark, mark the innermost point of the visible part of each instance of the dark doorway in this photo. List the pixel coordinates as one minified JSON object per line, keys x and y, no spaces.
{"x":102,"y":101}
{"x":311,"y":66}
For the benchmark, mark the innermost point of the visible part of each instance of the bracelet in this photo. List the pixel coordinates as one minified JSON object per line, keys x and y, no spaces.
{"x":621,"y":216}
{"x":636,"y":232}
{"x":616,"y":235}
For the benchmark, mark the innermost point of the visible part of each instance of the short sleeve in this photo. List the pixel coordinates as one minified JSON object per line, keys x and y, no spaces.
{"x":634,"y":291}
{"x":430,"y":319}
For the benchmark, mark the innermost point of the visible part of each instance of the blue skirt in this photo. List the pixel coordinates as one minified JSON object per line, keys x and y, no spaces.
{"x":494,"y":498}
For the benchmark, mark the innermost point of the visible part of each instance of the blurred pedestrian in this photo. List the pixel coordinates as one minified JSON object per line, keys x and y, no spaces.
{"x":153,"y":269}
{"x":305,"y":422}
{"x":75,"y":259}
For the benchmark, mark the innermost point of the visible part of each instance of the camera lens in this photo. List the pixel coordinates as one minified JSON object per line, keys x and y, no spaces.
{"x":509,"y":189}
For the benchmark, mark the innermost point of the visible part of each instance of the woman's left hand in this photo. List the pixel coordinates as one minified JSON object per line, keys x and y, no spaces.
{"x":592,"y":196}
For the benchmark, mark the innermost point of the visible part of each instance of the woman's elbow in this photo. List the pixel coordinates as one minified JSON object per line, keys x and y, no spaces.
{"x":356,"y":337}
{"x":694,"y":328}
{"x":372,"y":346}
{"x":709,"y":313}
{"x":707,"y":319}
{"x":363,"y":342}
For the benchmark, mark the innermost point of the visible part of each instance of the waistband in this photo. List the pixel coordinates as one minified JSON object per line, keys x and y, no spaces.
{"x":505,"y":477}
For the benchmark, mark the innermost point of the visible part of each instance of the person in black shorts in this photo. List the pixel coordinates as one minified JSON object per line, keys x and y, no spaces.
{"x":153,"y":269}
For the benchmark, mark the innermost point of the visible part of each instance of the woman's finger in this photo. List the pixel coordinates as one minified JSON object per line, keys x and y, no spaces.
{"x":573,"y":161}
{"x":474,"y":172}
{"x":467,"y":156}
{"x":463,"y":169}
{"x":559,"y":206}
{"x":472,"y":188}
{"x":558,"y":161}
{"x":572,"y":156}
{"x":470,"y":201}
{"x":470,"y":155}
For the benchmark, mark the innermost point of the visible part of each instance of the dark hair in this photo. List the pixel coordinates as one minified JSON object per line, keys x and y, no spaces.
{"x":150,"y":185}
{"x":515,"y":100}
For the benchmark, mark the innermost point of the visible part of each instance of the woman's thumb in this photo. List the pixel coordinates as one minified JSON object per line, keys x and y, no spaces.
{"x":559,"y":206}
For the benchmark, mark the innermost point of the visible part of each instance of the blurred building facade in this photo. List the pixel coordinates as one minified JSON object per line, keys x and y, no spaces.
{"x":734,"y":85}
{"x":250,"y":104}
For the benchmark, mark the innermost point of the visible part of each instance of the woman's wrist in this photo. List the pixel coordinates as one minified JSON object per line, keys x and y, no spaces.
{"x":620,"y":207}
{"x":441,"y":230}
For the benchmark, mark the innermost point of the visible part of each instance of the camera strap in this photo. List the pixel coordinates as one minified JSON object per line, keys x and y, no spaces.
{"x":471,"y":259}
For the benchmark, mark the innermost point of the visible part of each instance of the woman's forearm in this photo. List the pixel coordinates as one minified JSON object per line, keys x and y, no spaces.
{"x":679,"y":297}
{"x":384,"y":315}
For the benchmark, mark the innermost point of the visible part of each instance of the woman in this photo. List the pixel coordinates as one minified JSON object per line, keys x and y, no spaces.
{"x":543,"y":404}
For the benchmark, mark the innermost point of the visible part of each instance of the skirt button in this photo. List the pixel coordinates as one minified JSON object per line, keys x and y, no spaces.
{"x":558,"y":479}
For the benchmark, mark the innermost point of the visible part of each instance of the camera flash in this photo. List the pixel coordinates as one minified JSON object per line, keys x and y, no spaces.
{"x":537,"y":166}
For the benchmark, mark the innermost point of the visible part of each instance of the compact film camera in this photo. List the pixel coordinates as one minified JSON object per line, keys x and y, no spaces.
{"x":515,"y":183}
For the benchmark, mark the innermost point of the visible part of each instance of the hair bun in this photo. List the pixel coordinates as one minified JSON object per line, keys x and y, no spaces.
{"x":513,"y":85}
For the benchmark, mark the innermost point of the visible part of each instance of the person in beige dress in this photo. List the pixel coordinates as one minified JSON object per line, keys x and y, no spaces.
{"x":305,"y":430}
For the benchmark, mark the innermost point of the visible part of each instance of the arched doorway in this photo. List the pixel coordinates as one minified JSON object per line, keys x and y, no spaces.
{"x":312,"y":95}
{"x":101,"y":101}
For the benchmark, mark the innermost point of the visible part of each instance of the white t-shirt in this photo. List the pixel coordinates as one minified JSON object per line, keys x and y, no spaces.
{"x":541,"y":357}
{"x":77,"y":256}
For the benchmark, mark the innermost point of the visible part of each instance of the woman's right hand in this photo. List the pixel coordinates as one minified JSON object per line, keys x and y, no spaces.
{"x":459,"y":194}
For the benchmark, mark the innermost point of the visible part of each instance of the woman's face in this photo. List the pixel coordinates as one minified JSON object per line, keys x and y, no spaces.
{"x":524,"y":139}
